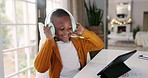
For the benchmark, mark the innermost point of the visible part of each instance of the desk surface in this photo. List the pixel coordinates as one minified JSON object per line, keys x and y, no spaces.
{"x":138,"y":66}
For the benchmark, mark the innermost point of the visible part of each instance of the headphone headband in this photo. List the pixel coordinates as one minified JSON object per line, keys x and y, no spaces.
{"x":47,"y":20}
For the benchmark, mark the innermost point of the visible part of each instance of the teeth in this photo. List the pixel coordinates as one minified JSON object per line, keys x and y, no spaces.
{"x":65,"y":36}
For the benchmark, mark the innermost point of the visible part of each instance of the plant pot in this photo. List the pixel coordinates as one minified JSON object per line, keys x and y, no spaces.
{"x":98,"y":30}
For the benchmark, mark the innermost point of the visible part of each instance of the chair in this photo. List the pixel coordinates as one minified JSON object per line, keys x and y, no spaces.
{"x":42,"y":40}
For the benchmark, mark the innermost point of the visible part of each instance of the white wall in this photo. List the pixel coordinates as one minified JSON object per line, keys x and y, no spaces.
{"x":138,"y":8}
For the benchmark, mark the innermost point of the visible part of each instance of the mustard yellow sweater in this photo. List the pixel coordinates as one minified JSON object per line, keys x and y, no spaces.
{"x":49,"y":56}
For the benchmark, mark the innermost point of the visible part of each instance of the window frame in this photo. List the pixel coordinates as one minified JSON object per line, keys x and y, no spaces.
{"x":27,"y":47}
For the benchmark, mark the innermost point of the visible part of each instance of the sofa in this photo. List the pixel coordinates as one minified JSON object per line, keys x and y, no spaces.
{"x":141,"y":38}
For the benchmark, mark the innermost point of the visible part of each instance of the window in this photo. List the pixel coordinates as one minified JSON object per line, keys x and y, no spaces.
{"x":18,"y":38}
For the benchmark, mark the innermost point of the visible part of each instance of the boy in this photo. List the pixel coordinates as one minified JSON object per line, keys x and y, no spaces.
{"x":63,"y":54}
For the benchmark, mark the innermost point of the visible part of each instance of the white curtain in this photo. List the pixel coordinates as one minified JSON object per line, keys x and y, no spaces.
{"x":52,"y":4}
{"x":76,"y":7}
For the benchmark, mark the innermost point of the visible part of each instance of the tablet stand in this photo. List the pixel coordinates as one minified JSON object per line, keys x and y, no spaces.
{"x":114,"y":71}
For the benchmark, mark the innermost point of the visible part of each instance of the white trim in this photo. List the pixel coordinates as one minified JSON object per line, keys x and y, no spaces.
{"x":16,"y":73}
{"x":18,"y":24}
{"x":1,"y":56}
{"x":13,"y":49}
{"x":27,"y":50}
{"x":15,"y":38}
{"x":28,"y":1}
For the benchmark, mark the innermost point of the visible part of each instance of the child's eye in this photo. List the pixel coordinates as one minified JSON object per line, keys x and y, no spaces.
{"x":62,"y":28}
{"x":70,"y":28}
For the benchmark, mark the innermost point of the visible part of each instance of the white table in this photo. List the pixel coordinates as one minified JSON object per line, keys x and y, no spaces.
{"x":139,"y":67}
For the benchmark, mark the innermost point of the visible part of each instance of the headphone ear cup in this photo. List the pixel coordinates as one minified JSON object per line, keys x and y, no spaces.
{"x":73,"y":25}
{"x":52,"y":29}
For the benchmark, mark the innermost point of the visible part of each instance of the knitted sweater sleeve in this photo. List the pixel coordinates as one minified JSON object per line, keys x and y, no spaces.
{"x":42,"y":61}
{"x":91,"y":41}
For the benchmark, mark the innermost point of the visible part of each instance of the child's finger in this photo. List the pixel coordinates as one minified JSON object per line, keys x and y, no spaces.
{"x":49,"y":27}
{"x":77,"y":24}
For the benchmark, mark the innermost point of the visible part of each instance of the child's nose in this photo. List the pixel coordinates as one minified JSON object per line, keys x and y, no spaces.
{"x":67,"y":31}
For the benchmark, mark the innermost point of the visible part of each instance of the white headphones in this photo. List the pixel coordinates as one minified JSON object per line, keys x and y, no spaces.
{"x":48,"y":21}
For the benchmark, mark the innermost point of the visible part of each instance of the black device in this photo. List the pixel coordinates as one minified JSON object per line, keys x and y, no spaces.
{"x":117,"y":67}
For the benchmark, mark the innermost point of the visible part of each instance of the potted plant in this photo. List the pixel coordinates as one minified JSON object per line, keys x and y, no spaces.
{"x":135,"y":30}
{"x":94,"y":14}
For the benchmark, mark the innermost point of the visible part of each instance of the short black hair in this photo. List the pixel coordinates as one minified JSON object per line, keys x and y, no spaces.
{"x":58,"y":13}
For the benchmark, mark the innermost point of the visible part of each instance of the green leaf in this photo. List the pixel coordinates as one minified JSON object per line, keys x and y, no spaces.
{"x":94,"y":14}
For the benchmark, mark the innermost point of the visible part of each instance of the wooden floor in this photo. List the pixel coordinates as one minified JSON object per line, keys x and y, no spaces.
{"x":125,"y":45}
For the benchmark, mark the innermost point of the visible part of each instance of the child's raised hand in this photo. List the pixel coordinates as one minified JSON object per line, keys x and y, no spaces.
{"x":47,"y":32}
{"x":79,"y":29}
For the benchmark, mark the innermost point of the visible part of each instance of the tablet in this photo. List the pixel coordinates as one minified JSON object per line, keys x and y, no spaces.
{"x":117,"y":65}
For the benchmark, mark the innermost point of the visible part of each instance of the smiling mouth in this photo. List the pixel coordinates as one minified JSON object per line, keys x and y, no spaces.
{"x":65,"y":36}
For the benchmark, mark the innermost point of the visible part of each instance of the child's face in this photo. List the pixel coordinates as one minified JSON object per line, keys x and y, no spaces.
{"x":63,"y":28}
